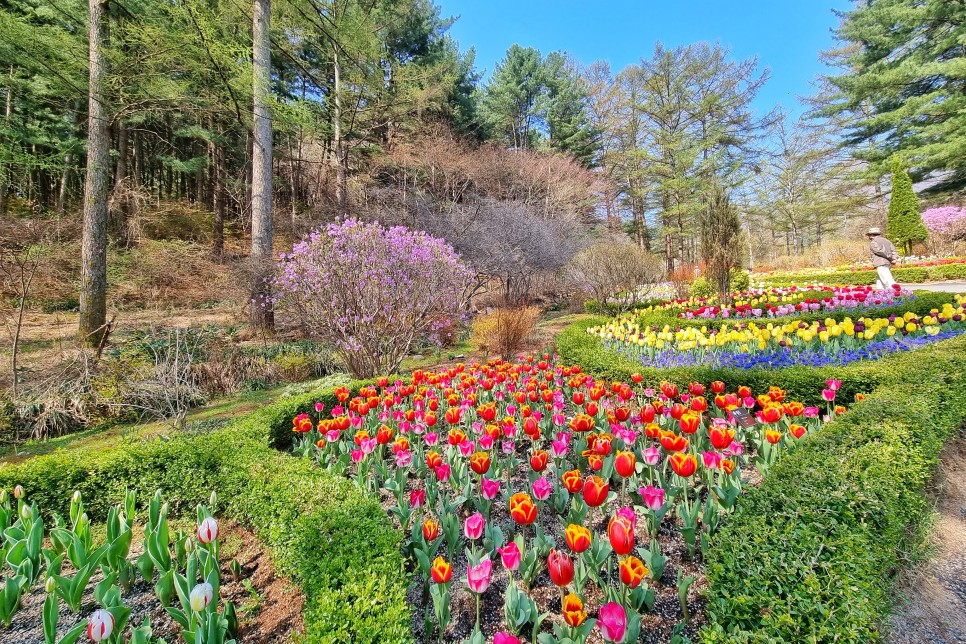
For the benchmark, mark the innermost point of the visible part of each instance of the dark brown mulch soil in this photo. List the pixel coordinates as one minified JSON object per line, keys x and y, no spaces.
{"x":274,"y":618}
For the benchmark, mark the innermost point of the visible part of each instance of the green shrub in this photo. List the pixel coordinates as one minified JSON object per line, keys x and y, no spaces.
{"x":701,"y":287}
{"x":740,"y":280}
{"x":810,"y":554}
{"x":294,"y":367}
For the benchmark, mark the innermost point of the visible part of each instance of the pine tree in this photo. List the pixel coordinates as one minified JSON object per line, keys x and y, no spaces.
{"x":904,"y":224}
{"x":901,"y":82}
{"x":721,"y":245}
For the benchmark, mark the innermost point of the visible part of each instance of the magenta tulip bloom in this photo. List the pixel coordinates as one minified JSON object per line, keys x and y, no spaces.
{"x":612,"y":621}
{"x":712,"y":460}
{"x":653,"y":497}
{"x":467,"y":448}
{"x":542,"y":488}
{"x":357,"y":455}
{"x":473,"y":528}
{"x":417,"y":498}
{"x":511,"y":556}
{"x":443,"y":472}
{"x":489,"y":488}
{"x":828,"y":395}
{"x":478,"y":576}
{"x":431,"y":438}
{"x":505,"y":638}
{"x":627,"y":513}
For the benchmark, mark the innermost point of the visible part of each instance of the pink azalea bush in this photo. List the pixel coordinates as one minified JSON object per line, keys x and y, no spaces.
{"x":373,"y":292}
{"x":948,"y":221}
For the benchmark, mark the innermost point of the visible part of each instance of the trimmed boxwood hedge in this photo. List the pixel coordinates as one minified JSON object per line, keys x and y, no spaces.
{"x":908,"y":275}
{"x":324,"y":533}
{"x":809,"y":555}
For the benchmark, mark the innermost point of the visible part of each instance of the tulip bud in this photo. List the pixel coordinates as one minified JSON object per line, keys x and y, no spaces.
{"x":25,"y":512}
{"x":50,"y":585}
{"x":189,"y":545}
{"x":100,"y":625}
{"x":18,"y":492}
{"x":77,"y":497}
{"x":201,"y":595}
{"x":3,"y":497}
{"x":208,"y":530}
{"x":213,"y":500}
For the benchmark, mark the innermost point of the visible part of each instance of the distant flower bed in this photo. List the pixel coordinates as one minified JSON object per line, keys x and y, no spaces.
{"x":826,"y":301}
{"x":773,"y":345}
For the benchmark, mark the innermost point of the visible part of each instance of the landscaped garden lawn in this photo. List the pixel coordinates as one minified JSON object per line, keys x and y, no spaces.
{"x":582,"y":496}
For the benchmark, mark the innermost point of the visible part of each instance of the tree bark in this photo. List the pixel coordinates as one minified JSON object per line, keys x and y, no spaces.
{"x":261,"y":256}
{"x":218,"y":203}
{"x":341,"y":184}
{"x":93,"y":289}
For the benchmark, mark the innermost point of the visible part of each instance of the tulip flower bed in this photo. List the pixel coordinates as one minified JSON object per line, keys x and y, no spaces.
{"x":777,"y":345}
{"x":540,"y":504}
{"x":840,"y":298}
{"x":183,"y":570}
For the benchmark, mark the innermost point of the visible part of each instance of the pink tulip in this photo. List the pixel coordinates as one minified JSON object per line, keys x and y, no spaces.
{"x":467,"y":448}
{"x":478,"y":576}
{"x":834,"y":385}
{"x":828,"y":395}
{"x":653,"y":497}
{"x":473,"y":528}
{"x":612,"y":621}
{"x":712,"y":460}
{"x":489,"y":488}
{"x":508,"y":447}
{"x":443,"y":472}
{"x":319,"y":407}
{"x":404,"y":458}
{"x":505,"y":638}
{"x":559,"y":448}
{"x":332,"y":435}
{"x":651,"y":456}
{"x":542,"y":488}
{"x":357,"y":455}
{"x":559,"y":420}
{"x":735,"y":449}
{"x":431,"y":438}
{"x":486,"y":442}
{"x":811,"y":412}
{"x":511,"y":556}
{"x":627,"y":513}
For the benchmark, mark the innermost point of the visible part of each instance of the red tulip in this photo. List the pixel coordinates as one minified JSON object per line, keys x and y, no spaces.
{"x":620,"y":531}
{"x":624,"y":463}
{"x":560,"y":567}
{"x":522,"y":509}
{"x":571,"y":481}
{"x":684,"y":464}
{"x":595,"y":491}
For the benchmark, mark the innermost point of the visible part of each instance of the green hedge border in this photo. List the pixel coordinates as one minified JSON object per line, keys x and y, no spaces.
{"x":810,"y":555}
{"x":335,"y":541}
{"x":908,"y":275}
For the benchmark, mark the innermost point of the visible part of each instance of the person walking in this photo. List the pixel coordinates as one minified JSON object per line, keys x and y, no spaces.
{"x":884,"y":255}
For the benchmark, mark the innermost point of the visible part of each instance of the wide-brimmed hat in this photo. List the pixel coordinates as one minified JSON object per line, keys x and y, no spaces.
{"x":874,"y":231}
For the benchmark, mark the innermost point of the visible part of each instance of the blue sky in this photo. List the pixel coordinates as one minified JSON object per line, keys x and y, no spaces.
{"x":786,"y":35}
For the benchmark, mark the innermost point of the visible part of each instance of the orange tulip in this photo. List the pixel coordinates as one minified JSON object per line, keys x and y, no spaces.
{"x":522,"y":509}
{"x":433,"y":460}
{"x":430,"y":529}
{"x":632,"y":572}
{"x":689,"y":422}
{"x":441,"y":571}
{"x":773,"y":436}
{"x":453,"y":415}
{"x":573,"y":610}
{"x":796,"y":430}
{"x":771,"y":414}
{"x":624,"y":463}
{"x":456,"y":436}
{"x":480,"y":462}
{"x":595,"y":491}
{"x":727,"y":466}
{"x":673,"y":443}
{"x":684,"y":464}
{"x":572,"y":482}
{"x":578,"y":538}
{"x":538,"y":460}
{"x":582,"y":423}
{"x":721,"y":437}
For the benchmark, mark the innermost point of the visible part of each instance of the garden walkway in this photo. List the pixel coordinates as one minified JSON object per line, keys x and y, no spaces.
{"x":944,"y":287}
{"x":934,"y":594}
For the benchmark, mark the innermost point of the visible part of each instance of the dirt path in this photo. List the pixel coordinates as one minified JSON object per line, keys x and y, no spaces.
{"x":934,"y":610}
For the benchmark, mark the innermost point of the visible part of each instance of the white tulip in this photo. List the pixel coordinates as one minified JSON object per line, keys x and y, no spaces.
{"x":201,"y":595}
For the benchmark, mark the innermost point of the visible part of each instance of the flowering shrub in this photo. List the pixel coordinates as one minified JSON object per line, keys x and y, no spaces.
{"x":506,"y":470}
{"x":373,"y":292}
{"x":947,"y":220}
{"x":773,"y":345}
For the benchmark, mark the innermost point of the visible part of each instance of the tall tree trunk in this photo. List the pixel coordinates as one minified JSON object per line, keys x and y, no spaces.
{"x":218,"y":203}
{"x":4,"y":168}
{"x":341,"y":183}
{"x":93,"y":288}
{"x":261,"y":256}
